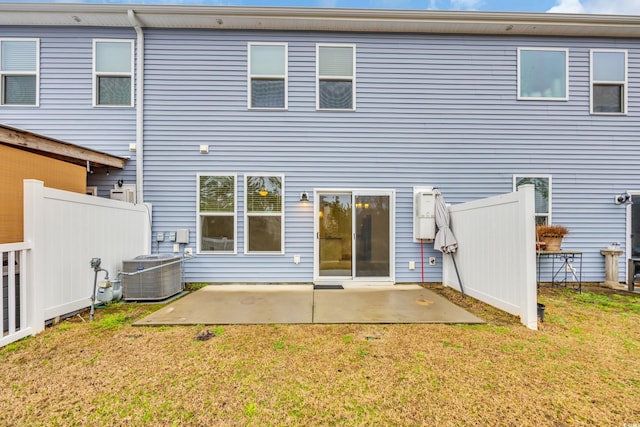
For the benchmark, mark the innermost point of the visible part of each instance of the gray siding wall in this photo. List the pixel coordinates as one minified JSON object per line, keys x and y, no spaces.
{"x":435,"y":110}
{"x":65,"y":110}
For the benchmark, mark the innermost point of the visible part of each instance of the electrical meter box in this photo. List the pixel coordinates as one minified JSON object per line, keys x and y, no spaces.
{"x":424,"y":214}
{"x":182,"y":235}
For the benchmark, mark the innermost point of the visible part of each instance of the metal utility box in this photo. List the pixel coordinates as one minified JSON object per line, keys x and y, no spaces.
{"x":424,"y":219}
{"x":157,"y":277}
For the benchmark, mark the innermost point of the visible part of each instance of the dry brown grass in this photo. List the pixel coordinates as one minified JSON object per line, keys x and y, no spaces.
{"x":581,"y":368}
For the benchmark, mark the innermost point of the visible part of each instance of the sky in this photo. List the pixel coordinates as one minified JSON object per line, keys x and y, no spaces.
{"x":618,"y":7}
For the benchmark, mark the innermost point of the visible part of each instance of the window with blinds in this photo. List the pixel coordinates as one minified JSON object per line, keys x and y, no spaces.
{"x":216,"y":213}
{"x":113,"y":73}
{"x":335,"y":69}
{"x":267,"y":66}
{"x":19,"y":71}
{"x":608,"y":81}
{"x":264,"y":214}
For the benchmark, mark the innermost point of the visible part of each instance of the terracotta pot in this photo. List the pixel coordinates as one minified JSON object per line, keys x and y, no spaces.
{"x":552,"y":243}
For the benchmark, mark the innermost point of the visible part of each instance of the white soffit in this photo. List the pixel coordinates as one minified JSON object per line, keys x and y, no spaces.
{"x":314,"y":19}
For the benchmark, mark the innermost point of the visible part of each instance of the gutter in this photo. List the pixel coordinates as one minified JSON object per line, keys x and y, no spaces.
{"x":317,"y":19}
{"x":139,"y":105}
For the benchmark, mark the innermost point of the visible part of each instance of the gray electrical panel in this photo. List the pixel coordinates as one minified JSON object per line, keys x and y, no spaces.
{"x":182,"y":235}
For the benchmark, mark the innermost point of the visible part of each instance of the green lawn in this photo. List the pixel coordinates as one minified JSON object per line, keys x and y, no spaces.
{"x":581,"y":368}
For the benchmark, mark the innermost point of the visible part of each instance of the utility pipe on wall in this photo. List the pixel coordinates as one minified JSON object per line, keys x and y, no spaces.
{"x":139,"y":104}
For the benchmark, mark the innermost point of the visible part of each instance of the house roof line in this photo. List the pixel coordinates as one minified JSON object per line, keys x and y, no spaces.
{"x":57,"y":149}
{"x":316,"y":19}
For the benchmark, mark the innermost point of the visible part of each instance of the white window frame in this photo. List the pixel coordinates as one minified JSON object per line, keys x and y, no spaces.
{"x":624,"y":84}
{"x":247,"y":214}
{"x":35,"y":73}
{"x":352,"y":77}
{"x":566,"y":74}
{"x":96,"y":74}
{"x":284,"y":77}
{"x":235,"y":214}
{"x":548,"y":177}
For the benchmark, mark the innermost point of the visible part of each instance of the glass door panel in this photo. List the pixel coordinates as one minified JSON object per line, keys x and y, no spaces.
{"x":372,"y":225}
{"x":635,"y":226}
{"x":335,"y":235}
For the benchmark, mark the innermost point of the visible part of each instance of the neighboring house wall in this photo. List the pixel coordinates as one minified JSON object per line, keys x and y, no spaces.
{"x":17,"y":165}
{"x":65,"y":111}
{"x":431,"y":110}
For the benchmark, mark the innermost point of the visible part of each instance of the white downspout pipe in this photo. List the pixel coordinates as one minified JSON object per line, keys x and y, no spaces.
{"x":139,"y":105}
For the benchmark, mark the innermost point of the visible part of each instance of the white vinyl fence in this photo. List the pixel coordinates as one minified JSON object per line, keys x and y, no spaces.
{"x":16,"y":284}
{"x":63,"y":231}
{"x":496,"y":255}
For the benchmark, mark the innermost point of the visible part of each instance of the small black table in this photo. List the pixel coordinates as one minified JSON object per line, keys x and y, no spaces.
{"x":566,"y":271}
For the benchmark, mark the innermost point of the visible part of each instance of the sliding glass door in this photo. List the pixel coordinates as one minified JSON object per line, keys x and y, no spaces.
{"x":354,"y":235}
{"x":335,"y":234}
{"x":373,"y":239}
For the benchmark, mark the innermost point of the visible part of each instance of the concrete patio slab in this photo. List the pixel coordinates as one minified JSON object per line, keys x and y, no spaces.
{"x":387,"y":304}
{"x":238,"y":304}
{"x":280,"y":304}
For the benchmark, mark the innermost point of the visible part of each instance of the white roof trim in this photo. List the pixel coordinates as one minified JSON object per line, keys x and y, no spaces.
{"x":314,"y":19}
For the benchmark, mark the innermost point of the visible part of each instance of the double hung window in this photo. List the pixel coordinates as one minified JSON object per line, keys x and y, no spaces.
{"x":19,"y":71}
{"x":264,"y":220}
{"x":216,"y":213}
{"x":542,"y":74}
{"x":542,"y":184}
{"x":336,"y":83}
{"x":608,"y":81}
{"x":267,"y":75}
{"x":113,"y":73}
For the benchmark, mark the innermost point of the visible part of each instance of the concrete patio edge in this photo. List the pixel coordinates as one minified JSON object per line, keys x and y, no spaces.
{"x":301,"y":304}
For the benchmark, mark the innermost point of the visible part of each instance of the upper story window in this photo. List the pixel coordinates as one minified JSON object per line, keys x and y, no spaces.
{"x":608,"y":81}
{"x":336,"y":82}
{"x":264,"y":221}
{"x":113,"y":73}
{"x":542,"y":184}
{"x":267,"y":75}
{"x":542,"y":74}
{"x":217,"y":213}
{"x":19,"y":71}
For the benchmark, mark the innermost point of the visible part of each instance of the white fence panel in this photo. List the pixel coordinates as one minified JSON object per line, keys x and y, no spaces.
{"x":496,"y":255}
{"x":67,"y":231}
{"x":14,"y":323}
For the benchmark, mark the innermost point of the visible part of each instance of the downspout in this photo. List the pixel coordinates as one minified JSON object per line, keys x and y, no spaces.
{"x":139,"y":105}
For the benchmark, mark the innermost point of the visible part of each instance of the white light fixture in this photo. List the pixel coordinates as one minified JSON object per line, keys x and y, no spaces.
{"x":304,"y":197}
{"x":132,"y":147}
{"x":204,"y":149}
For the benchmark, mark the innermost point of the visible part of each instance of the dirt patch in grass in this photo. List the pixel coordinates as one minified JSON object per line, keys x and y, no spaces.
{"x":581,"y":368}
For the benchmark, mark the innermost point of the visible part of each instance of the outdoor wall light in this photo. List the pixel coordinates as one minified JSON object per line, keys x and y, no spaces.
{"x":623,"y":198}
{"x":204,"y":149}
{"x":304,"y":197}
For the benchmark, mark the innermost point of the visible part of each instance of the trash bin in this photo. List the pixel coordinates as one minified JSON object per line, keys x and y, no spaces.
{"x":541,"y":312}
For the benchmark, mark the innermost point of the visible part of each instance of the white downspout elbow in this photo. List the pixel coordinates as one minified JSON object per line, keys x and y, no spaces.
{"x":139,"y":105}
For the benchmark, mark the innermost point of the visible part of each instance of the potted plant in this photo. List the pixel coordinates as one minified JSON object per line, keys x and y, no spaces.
{"x":551,"y":235}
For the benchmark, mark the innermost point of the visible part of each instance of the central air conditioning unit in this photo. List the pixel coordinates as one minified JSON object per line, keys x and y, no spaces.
{"x":156,"y":277}
{"x":124,"y":193}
